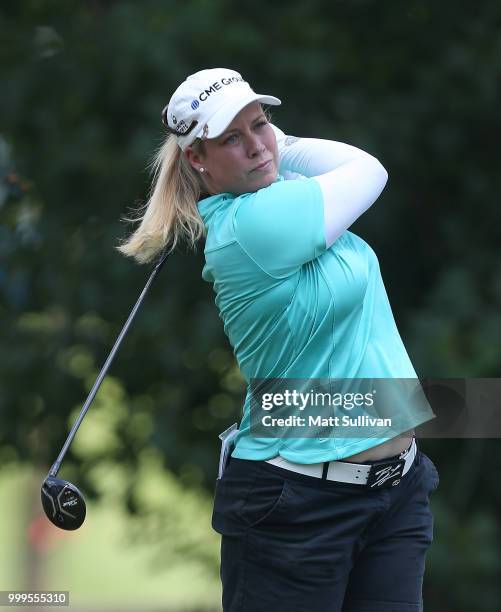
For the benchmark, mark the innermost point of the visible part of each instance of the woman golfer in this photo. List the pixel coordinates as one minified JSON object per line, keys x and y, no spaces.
{"x":309,"y":524}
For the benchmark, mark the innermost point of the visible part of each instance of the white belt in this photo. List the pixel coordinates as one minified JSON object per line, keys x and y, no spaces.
{"x":383,"y":473}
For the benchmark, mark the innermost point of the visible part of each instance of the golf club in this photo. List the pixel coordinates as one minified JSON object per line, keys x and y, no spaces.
{"x":62,"y":502}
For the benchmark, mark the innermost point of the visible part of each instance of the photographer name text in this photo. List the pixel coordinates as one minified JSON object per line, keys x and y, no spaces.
{"x":319,"y":421}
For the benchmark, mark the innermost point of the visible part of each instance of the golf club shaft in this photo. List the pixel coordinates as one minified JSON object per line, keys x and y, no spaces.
{"x":55,"y":468}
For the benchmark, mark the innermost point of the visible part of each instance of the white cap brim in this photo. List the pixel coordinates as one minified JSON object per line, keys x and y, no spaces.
{"x":218,"y":123}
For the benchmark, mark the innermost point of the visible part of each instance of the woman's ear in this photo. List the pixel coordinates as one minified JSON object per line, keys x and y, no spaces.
{"x":193,"y":158}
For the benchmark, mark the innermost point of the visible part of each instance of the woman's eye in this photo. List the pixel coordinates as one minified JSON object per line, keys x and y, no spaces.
{"x":231,"y":139}
{"x":260,"y":124}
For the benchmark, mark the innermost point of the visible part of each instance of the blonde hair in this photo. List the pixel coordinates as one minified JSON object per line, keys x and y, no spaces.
{"x":171,"y":212}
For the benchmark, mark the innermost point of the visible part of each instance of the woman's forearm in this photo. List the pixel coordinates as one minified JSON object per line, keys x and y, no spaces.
{"x":313,"y":156}
{"x":348,"y":191}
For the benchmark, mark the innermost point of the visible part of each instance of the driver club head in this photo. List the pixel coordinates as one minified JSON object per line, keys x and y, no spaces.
{"x":63,"y":503}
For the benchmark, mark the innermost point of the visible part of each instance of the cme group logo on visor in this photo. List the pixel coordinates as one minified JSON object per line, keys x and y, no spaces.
{"x":216,"y":86}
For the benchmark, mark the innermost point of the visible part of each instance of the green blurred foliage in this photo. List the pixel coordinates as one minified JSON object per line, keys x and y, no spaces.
{"x":83,"y":83}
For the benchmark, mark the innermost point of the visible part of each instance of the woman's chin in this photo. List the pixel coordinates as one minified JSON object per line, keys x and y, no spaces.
{"x":257,"y":183}
{"x":267,"y":180}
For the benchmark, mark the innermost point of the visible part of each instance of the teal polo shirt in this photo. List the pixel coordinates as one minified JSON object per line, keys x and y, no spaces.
{"x":293,"y":308}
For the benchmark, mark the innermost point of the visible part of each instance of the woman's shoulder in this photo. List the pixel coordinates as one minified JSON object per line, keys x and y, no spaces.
{"x":281,"y":194}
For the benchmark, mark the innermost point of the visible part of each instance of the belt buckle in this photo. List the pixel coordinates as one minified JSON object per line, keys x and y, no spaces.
{"x":385,"y":474}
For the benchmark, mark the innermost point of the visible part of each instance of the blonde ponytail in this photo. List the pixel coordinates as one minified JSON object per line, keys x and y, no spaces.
{"x":171,"y":212}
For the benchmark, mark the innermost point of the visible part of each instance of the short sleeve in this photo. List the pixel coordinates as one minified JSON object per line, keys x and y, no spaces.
{"x":281,"y":227}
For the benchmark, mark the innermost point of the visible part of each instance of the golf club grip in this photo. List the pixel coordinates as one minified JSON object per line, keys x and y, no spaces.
{"x":55,"y":468}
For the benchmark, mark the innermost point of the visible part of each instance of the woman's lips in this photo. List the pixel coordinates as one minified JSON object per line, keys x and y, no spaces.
{"x":264,"y":166}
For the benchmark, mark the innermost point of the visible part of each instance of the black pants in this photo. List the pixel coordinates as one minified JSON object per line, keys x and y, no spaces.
{"x":295,"y":543}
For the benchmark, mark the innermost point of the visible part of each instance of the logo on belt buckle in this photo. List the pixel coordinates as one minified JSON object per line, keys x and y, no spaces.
{"x":385,"y":474}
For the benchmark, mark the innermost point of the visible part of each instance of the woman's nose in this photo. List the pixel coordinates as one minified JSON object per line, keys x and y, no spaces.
{"x":254,"y":145}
